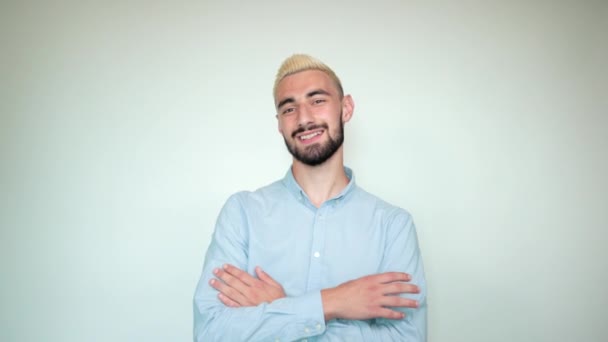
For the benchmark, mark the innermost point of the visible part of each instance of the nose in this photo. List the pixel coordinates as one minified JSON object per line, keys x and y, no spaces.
{"x":304,"y":116}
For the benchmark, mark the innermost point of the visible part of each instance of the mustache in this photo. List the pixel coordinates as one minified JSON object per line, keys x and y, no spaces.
{"x":308,"y":127}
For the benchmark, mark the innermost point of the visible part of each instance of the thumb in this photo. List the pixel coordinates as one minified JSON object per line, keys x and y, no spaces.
{"x":266,"y":278}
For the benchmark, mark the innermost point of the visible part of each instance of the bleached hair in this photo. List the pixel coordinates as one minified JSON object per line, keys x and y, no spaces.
{"x":301,"y":62}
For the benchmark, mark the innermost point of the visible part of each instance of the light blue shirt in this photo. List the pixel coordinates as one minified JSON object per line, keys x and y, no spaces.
{"x":307,"y":249}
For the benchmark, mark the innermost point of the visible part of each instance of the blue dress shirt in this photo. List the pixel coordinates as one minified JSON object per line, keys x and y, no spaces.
{"x":307,"y":249}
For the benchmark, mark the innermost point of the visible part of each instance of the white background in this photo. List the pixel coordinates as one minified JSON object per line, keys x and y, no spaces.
{"x":126,"y":125}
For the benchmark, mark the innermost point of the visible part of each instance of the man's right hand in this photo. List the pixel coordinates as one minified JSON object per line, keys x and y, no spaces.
{"x":369,"y":297}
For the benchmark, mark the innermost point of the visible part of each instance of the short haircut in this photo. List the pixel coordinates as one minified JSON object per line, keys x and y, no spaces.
{"x":301,"y":62}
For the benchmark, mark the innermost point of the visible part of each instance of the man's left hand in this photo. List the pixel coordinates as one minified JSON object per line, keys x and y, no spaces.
{"x":238,"y":288}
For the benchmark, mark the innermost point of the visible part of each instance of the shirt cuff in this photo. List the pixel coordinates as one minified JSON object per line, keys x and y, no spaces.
{"x":308,"y":308}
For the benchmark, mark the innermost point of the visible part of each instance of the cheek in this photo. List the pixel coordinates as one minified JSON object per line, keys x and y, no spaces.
{"x":283,"y":129}
{"x":330,"y":114}
{"x":287,"y":124}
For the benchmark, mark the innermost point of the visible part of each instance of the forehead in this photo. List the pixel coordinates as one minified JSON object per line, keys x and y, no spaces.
{"x":302,"y":82}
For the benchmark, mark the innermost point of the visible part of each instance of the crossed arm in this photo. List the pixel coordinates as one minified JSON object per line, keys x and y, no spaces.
{"x":241,"y":306}
{"x":360,"y":299}
{"x":257,"y":308}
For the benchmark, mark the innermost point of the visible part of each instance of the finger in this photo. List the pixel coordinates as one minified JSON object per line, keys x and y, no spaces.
{"x":396,"y":301}
{"x":230,"y":280}
{"x":265,"y":277}
{"x":238,"y":273}
{"x":389,"y":314}
{"x":229,"y":292}
{"x":397,"y":288}
{"x":227,"y":301}
{"x":390,"y":277}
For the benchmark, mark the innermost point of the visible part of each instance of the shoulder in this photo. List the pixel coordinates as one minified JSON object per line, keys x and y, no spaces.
{"x":260,"y":198}
{"x":388,"y":213}
{"x":242,"y":206}
{"x":395,"y":222}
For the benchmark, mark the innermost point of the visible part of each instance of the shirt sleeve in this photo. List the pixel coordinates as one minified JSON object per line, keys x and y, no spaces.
{"x":285,"y":319}
{"x":402,"y":254}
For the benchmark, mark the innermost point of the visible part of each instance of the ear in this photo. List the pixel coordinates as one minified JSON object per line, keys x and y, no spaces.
{"x":348,"y":108}
{"x":278,"y":124}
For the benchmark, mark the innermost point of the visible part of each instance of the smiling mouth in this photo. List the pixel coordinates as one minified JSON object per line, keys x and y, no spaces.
{"x":309,"y":136}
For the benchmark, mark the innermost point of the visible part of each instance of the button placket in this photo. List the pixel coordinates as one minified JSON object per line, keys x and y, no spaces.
{"x":318,"y":241}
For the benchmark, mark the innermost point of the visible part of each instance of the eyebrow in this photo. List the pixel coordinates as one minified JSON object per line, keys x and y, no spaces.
{"x":286,"y":101}
{"x":317,"y":92}
{"x":309,"y":95}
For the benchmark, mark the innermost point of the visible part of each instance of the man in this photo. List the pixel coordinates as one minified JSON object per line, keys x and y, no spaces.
{"x":312,"y":256}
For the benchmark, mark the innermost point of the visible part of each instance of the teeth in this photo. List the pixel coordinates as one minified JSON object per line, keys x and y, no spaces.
{"x":309,"y":136}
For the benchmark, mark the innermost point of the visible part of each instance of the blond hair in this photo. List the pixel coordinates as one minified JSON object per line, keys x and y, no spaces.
{"x":301,"y":62}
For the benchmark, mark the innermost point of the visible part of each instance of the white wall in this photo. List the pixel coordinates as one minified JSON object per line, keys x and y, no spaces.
{"x":125,"y":125}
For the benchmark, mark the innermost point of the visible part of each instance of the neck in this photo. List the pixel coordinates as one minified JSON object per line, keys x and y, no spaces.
{"x":323,"y":181}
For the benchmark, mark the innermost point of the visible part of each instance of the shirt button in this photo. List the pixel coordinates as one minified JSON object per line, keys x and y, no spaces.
{"x":319,"y":327}
{"x":317,"y":254}
{"x":306,"y":330}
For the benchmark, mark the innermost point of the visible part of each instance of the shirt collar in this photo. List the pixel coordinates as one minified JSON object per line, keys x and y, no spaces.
{"x":293,"y":186}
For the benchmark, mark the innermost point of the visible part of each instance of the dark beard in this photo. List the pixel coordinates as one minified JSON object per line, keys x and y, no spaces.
{"x":316,"y":154}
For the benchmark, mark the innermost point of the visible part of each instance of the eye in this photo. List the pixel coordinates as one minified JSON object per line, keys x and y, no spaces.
{"x":318,"y":101}
{"x":288,"y":110}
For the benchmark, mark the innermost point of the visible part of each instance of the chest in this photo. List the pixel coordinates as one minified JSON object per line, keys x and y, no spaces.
{"x":306,"y":251}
